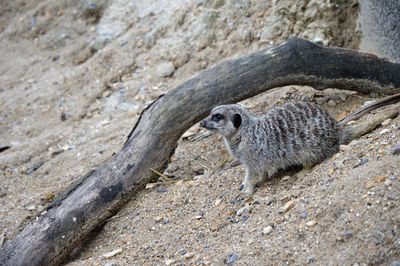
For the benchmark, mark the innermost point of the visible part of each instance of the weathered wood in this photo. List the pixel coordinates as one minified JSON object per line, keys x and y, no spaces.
{"x":49,"y":238}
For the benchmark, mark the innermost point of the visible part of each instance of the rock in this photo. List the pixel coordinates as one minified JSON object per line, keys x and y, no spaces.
{"x":380,"y":178}
{"x":288,"y":206}
{"x":267,"y":230}
{"x":243,"y":210}
{"x":3,"y":193}
{"x":48,"y":196}
{"x":111,"y":264}
{"x":331,"y":103}
{"x":386,"y":122}
{"x":189,"y":255}
{"x":395,"y":149}
{"x":165,"y":69}
{"x":360,"y":162}
{"x":112,"y":253}
{"x":217,"y":202}
{"x":311,"y":223}
{"x":304,"y":214}
{"x":310,"y":259}
{"x":384,"y":131}
{"x":344,"y":147}
{"x":232,"y":258}
{"x":170,"y":262}
{"x":31,"y":207}
{"x":331,"y":171}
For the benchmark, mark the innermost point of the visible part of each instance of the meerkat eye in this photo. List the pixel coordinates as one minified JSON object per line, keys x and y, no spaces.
{"x":217,"y":117}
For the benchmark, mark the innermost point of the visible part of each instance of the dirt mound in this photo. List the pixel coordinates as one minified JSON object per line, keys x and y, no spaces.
{"x":74,"y":76}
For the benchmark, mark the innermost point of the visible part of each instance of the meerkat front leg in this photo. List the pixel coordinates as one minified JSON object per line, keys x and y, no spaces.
{"x":251,"y":179}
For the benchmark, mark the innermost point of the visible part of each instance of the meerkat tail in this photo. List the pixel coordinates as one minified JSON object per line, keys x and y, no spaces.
{"x":351,"y":132}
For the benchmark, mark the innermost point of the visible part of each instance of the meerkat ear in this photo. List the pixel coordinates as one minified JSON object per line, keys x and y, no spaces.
{"x":236,"y":120}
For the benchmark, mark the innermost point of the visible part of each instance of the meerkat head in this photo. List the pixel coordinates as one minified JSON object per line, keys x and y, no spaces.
{"x":225,"y":119}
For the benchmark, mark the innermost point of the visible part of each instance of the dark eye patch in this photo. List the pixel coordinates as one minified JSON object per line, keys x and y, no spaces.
{"x":217,"y":117}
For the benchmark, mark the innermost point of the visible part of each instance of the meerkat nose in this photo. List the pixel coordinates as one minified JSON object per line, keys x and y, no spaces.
{"x":202,"y":123}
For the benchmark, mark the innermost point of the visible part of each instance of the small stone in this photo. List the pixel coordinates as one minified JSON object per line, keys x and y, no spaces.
{"x":310,"y":259}
{"x":288,"y":206}
{"x":217,"y":202}
{"x":331,"y":171}
{"x":369,"y":184}
{"x":170,"y":262}
{"x":112,"y":253}
{"x":311,"y":223}
{"x":242,"y":210}
{"x":165,"y":69}
{"x":331,"y":103}
{"x":384,"y":131}
{"x":159,"y":218}
{"x":344,"y":147}
{"x":111,"y":264}
{"x":285,"y":178}
{"x":396,"y":149}
{"x":188,"y":255}
{"x":380,"y":178}
{"x":267,"y":230}
{"x":232,"y":258}
{"x":48,"y":196}
{"x":304,"y":214}
{"x":151,"y":185}
{"x":360,"y":162}
{"x":31,"y":208}
{"x":386,"y":122}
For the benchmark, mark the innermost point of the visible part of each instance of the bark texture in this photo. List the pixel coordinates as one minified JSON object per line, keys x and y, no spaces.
{"x":49,"y":238}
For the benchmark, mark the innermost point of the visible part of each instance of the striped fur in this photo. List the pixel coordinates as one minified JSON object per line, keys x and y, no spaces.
{"x":298,"y":133}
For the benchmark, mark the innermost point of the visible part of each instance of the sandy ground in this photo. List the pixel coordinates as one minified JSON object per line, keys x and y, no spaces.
{"x":75,"y":74}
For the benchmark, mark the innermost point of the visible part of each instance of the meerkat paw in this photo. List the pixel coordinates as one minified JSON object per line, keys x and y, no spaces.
{"x":248,"y":190}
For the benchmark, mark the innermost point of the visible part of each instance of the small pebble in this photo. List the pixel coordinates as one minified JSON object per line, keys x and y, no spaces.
{"x":170,"y":262}
{"x":285,"y":178}
{"x":304,"y":214}
{"x":331,"y":103}
{"x":217,"y":202}
{"x":310,"y":259}
{"x":386,"y":122}
{"x":267,"y":230}
{"x":360,"y":162}
{"x":232,"y":258}
{"x":242,"y":210}
{"x":344,"y":147}
{"x":289,"y":205}
{"x":112,"y":253}
{"x":188,"y":255}
{"x":31,"y":208}
{"x":311,"y":223}
{"x":384,"y":131}
{"x":396,"y":149}
{"x":111,"y":264}
{"x":380,"y":178}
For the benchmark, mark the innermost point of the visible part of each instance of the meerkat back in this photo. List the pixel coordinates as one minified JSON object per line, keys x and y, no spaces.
{"x":300,"y":133}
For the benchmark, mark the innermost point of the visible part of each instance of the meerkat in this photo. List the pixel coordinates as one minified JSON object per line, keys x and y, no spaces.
{"x":295,"y":134}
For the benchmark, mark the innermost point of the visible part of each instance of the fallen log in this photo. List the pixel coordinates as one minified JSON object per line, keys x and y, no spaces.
{"x":51,"y":236}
